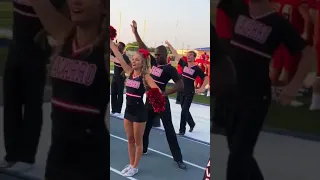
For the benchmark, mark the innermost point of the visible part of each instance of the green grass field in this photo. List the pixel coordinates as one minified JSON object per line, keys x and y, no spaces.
{"x":5,"y":14}
{"x":294,"y":119}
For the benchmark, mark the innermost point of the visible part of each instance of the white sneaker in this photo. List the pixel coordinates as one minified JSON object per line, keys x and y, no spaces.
{"x":126,"y":169}
{"x":6,"y":164}
{"x":117,"y":114}
{"x":132,"y":171}
{"x":21,"y":167}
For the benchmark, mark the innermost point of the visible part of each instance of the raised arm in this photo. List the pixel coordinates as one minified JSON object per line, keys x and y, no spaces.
{"x":137,"y":36}
{"x":54,"y":22}
{"x":174,"y":52}
{"x":126,"y":68}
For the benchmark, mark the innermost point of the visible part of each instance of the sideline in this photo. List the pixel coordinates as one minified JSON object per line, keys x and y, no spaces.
{"x":164,"y":154}
{"x":119,"y":173}
{"x":162,"y":130}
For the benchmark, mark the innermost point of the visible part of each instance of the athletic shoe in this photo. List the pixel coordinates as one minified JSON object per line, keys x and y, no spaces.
{"x":132,"y":171}
{"x":6,"y":164}
{"x":181,"y":165}
{"x":191,"y":128}
{"x":126,"y":169}
{"x":21,"y":167}
{"x":181,"y":133}
{"x":117,"y":114}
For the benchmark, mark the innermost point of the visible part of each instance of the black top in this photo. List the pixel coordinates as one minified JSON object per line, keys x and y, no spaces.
{"x":118,"y":70}
{"x":189,"y":75}
{"x":80,"y":81}
{"x":253,"y":43}
{"x":134,"y":90}
{"x":26,"y":24}
{"x":162,"y":74}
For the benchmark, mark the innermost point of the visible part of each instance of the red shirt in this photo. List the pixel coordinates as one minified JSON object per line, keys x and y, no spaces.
{"x":179,"y":68}
{"x":224,"y":23}
{"x":200,"y":63}
{"x":289,"y":9}
{"x":312,"y":4}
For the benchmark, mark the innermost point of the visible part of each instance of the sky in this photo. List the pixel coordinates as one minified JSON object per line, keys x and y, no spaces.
{"x":185,"y":24}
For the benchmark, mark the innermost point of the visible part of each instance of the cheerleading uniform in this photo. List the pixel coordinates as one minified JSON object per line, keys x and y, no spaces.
{"x":162,"y":74}
{"x":253,"y":43}
{"x":80,"y":139}
{"x":135,"y":108}
{"x":23,"y":85}
{"x":189,"y":75}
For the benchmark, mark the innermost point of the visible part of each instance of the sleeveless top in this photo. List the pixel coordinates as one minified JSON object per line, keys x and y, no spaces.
{"x":135,"y":90}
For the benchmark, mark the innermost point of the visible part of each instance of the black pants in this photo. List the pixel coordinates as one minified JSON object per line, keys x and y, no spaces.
{"x":242,"y":134}
{"x":23,"y":83}
{"x":168,"y":127}
{"x":223,"y":111}
{"x":186,"y":101}
{"x":79,"y":147}
{"x":117,"y":87}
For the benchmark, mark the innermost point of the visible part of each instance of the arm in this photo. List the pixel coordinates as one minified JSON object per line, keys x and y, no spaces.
{"x":174,"y":52}
{"x":204,"y":78}
{"x":178,"y":84}
{"x":137,"y":36}
{"x":127,"y":69}
{"x":295,"y":44}
{"x":151,"y":82}
{"x":304,"y":11}
{"x":54,"y":22}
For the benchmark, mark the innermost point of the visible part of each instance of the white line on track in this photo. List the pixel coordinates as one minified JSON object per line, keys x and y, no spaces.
{"x":164,"y":154}
{"x":118,"y":172}
{"x":161,"y":129}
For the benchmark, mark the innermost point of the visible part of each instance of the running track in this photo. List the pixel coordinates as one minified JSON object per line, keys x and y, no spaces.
{"x":158,"y":163}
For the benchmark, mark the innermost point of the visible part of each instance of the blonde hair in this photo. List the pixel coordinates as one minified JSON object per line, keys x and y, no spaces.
{"x":145,"y":70}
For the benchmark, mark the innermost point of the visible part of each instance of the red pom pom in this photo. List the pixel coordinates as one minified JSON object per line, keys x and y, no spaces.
{"x":156,"y":99}
{"x":113,"y":33}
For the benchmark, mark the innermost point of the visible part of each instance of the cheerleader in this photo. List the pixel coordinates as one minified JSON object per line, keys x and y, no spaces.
{"x":162,"y":72}
{"x":136,"y":114}
{"x":79,"y":137}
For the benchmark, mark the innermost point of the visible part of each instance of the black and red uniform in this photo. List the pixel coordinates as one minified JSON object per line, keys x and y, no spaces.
{"x":80,"y":139}
{"x":252,"y":45}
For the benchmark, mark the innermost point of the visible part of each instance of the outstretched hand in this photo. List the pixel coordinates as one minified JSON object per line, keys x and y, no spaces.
{"x":167,"y":43}
{"x":134,"y":26}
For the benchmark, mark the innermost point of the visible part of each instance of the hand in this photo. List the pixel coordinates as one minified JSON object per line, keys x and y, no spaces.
{"x":198,"y":91}
{"x":305,"y":36}
{"x":134,"y":26}
{"x":285,"y":99}
{"x":167,"y":43}
{"x":112,"y":44}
